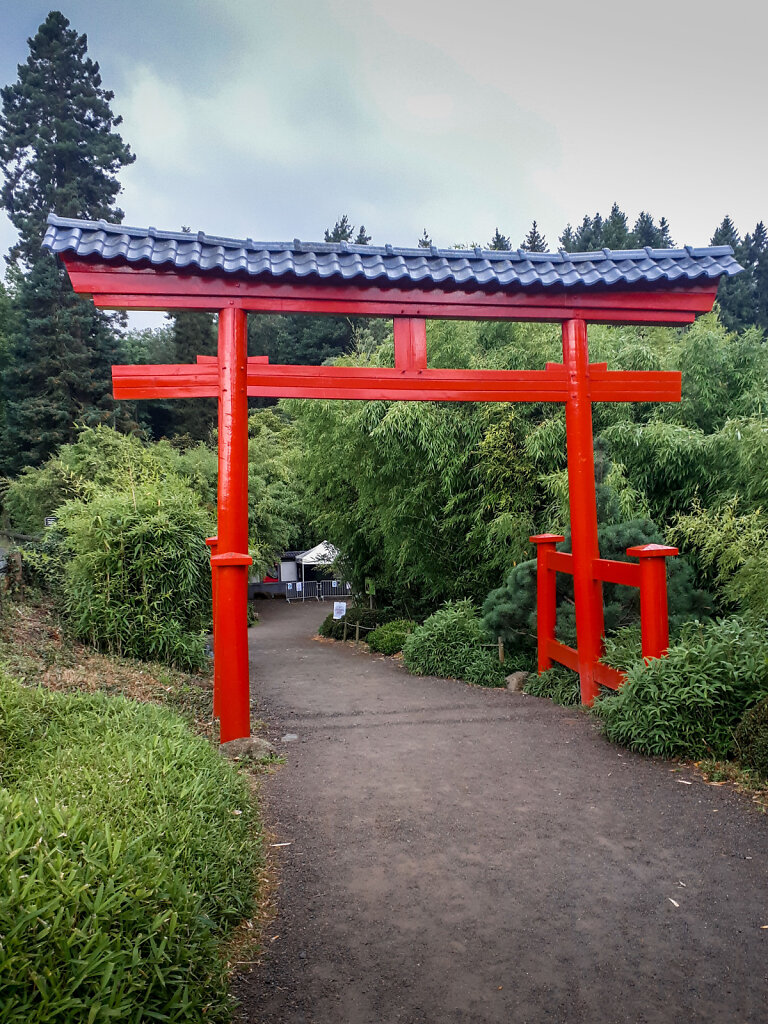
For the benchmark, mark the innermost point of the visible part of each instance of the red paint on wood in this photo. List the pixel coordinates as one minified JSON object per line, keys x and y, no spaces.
{"x":129,"y":287}
{"x":198,"y":380}
{"x":232,"y":560}
{"x":410,"y":343}
{"x":654,"y":618}
{"x":588,"y":593}
{"x":546,"y":599}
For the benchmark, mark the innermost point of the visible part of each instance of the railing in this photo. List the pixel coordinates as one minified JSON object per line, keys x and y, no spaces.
{"x":649,"y":574}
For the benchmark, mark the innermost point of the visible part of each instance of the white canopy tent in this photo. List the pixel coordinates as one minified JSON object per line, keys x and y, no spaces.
{"x":323,"y":553}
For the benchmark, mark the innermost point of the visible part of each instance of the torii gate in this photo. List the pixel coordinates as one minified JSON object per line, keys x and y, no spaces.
{"x":131,"y":268}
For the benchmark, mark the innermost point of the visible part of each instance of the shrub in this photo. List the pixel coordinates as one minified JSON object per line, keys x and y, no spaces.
{"x":510,"y":611}
{"x":689,"y":703}
{"x":368,"y":618}
{"x":129,"y":852}
{"x":751,"y":739}
{"x":558,"y":683}
{"x":450,"y":644}
{"x":389,"y":638}
{"x":137,"y":582}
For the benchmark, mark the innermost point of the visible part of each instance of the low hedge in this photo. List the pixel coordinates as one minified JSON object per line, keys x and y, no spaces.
{"x":689,"y":703}
{"x":368,"y":618}
{"x":389,"y":638}
{"x":129,"y":850}
{"x":751,"y":739}
{"x":451,"y":643}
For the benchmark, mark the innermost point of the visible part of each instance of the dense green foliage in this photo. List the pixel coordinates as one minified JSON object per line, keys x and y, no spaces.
{"x":389,"y":638}
{"x":59,"y":150}
{"x":510,"y":611}
{"x":689,"y":703}
{"x":129,"y":851}
{"x":558,"y":684}
{"x":369,"y":619}
{"x":751,"y":738}
{"x":453,"y":643}
{"x":127,"y":554}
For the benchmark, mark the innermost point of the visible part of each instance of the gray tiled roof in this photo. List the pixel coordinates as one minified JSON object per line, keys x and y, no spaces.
{"x":341,"y":262}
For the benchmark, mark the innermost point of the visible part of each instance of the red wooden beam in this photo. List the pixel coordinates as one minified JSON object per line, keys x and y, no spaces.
{"x":128,"y":287}
{"x":384,"y":383}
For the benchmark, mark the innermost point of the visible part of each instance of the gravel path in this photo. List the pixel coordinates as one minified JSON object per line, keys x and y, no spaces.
{"x":469,"y":855}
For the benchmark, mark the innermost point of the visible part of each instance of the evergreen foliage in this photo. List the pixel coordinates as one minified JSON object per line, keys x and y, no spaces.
{"x":342,"y":231}
{"x":534,"y":241}
{"x":450,"y":643}
{"x":500,"y":241}
{"x":59,"y":150}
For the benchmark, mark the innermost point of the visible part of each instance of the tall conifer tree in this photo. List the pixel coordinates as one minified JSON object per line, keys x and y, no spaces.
{"x":534,"y":241}
{"x":59,"y":150}
{"x":500,"y":242}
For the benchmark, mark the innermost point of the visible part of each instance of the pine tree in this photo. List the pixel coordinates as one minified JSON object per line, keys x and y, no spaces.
{"x":425,"y":242}
{"x":342,"y":230}
{"x":362,"y":238}
{"x":568,"y":239}
{"x":500,"y":241}
{"x":665,"y":236}
{"x":534,"y":241}
{"x":645,"y":232}
{"x":585,"y":238}
{"x":615,"y":229}
{"x":58,"y":151}
{"x":737,"y":296}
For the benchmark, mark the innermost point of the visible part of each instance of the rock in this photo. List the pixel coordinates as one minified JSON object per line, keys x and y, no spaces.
{"x":290,"y":737}
{"x":516,"y":680}
{"x":252,"y":747}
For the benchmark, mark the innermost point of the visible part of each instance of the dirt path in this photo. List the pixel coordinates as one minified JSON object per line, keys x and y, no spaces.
{"x":469,"y":855}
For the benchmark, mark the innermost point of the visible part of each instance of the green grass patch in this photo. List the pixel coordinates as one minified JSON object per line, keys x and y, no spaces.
{"x":129,"y":851}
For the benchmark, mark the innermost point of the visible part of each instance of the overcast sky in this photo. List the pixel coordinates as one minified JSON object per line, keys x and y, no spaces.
{"x":269,"y":119}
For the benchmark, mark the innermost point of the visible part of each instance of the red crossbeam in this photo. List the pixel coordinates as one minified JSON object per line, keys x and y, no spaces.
{"x":129,"y":287}
{"x":384,"y":383}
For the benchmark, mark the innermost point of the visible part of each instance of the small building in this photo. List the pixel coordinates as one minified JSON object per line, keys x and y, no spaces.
{"x":301,"y":574}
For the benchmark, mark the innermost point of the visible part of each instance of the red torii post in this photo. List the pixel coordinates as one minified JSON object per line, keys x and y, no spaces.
{"x":120,"y":269}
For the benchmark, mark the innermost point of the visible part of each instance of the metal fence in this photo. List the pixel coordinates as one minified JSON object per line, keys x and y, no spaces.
{"x":318,"y":590}
{"x":309,"y":590}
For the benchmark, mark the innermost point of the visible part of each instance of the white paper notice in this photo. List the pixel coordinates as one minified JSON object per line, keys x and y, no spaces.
{"x":339,"y":609}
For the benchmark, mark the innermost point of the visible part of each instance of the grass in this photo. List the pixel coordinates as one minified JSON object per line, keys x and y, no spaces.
{"x":745,"y":780}
{"x":131,"y":849}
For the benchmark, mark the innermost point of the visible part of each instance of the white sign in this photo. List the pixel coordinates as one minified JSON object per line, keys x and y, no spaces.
{"x":339,"y":609}
{"x":289,"y":586}
{"x":334,"y":583}
{"x":298,"y":588}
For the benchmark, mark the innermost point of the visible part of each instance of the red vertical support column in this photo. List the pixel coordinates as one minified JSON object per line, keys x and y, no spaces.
{"x":213,"y":544}
{"x":546,"y":595}
{"x":231,"y":561}
{"x":654,"y":615}
{"x":588,"y":592}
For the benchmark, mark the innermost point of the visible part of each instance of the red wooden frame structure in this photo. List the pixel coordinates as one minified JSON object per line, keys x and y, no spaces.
{"x":116,"y":283}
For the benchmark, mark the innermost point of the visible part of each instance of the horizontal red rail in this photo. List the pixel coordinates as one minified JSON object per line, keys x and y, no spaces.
{"x":607,"y":676}
{"x":607,"y":570}
{"x":564,"y":654}
{"x":385,"y":383}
